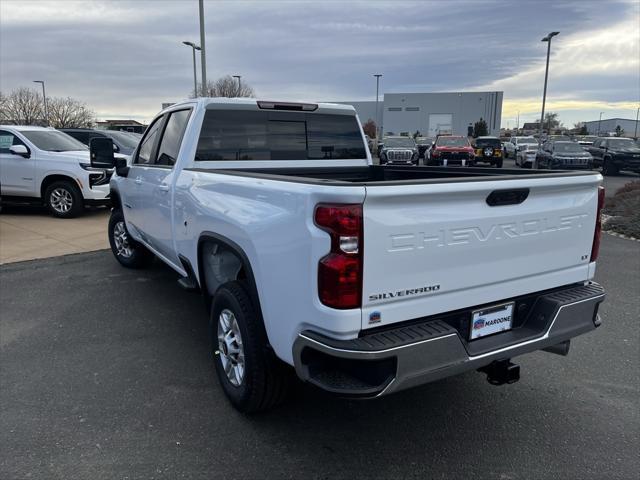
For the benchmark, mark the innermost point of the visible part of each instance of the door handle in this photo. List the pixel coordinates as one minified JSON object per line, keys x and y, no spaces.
{"x":164,"y":187}
{"x":138,"y":180}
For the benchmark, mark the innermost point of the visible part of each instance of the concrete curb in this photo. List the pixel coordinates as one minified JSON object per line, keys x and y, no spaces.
{"x":620,"y":235}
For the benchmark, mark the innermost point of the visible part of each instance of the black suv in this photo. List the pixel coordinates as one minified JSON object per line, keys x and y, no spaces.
{"x":563,"y":155}
{"x":614,"y":154}
{"x":123,"y":142}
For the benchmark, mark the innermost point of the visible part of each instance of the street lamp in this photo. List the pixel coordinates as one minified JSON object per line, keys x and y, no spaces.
{"x":599,"y":120}
{"x":44,"y":100}
{"x":194,"y":47}
{"x":239,"y":84}
{"x":378,"y":131}
{"x":203,"y":56}
{"x":546,"y":76}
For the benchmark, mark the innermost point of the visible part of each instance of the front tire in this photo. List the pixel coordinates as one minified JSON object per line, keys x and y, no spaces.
{"x":128,"y":252}
{"x":498,"y":163}
{"x":64,"y":199}
{"x":252,"y":378}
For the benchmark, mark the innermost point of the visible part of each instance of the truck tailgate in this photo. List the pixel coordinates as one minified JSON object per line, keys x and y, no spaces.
{"x":436,"y":247}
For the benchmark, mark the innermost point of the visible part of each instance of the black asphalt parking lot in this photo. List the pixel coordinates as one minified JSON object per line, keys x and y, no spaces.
{"x":106,"y":373}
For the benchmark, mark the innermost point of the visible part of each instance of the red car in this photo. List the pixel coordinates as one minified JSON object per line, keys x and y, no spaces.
{"x":452,"y":150}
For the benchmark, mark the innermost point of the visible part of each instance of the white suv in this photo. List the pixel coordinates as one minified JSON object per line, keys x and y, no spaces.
{"x":43,"y":164}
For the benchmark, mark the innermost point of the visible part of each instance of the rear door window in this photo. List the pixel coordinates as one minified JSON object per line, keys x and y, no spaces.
{"x":145,"y":154}
{"x":172,"y":137}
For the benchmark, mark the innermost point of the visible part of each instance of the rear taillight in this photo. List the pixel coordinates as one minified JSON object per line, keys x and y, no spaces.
{"x":340,"y":271}
{"x":595,"y":249}
{"x":435,"y":153}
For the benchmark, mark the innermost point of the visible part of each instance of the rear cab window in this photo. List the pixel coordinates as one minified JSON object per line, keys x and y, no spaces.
{"x":268,"y":135}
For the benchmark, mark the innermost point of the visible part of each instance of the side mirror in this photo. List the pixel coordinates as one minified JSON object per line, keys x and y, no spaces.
{"x":21,"y":150}
{"x":101,"y":152}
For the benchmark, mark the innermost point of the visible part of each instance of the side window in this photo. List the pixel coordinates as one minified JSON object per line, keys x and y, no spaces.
{"x":148,"y":143}
{"x":7,"y":139}
{"x":172,"y":137}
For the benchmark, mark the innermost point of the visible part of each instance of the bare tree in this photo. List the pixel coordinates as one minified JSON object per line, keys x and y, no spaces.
{"x":370,"y":128}
{"x":226,"y":86}
{"x":22,"y":106}
{"x":69,"y":113}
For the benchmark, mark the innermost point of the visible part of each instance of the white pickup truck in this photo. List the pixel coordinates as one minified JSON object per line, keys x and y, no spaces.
{"x":49,"y":167}
{"x":366,"y":279}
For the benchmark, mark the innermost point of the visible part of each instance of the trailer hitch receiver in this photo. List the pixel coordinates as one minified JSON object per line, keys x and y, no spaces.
{"x":501,"y":372}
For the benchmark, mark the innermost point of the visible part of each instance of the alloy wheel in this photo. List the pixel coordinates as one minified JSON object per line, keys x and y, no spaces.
{"x":61,"y":200}
{"x":121,"y":240}
{"x":230,"y":347}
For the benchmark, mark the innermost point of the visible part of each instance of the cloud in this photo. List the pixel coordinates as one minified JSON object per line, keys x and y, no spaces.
{"x":125,"y":58}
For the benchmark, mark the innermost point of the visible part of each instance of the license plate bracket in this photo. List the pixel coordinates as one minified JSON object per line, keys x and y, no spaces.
{"x":491,"y":320}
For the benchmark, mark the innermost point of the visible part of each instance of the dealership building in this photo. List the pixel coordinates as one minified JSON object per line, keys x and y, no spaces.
{"x":433,"y":113}
{"x":608,"y":126}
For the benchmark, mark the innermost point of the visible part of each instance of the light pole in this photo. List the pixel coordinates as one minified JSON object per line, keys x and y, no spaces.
{"x":599,"y":120}
{"x":44,"y":100}
{"x":203,"y":57}
{"x":239,"y":84}
{"x":546,"y":76}
{"x":378,"y":132}
{"x":194,"y":47}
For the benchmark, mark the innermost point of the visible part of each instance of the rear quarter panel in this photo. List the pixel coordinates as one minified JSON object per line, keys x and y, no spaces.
{"x":272,"y":221}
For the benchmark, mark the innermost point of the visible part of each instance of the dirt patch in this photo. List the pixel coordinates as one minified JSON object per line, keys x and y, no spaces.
{"x":622,"y":211}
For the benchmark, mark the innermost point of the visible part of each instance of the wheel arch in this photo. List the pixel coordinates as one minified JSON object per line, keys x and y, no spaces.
{"x":114,"y":196}
{"x":242,"y":271}
{"x":56,"y":177}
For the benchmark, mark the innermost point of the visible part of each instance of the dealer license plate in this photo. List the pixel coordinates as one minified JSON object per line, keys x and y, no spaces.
{"x":490,"y":320}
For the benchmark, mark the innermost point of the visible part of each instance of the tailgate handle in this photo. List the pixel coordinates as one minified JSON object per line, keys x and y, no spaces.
{"x":507,"y":197}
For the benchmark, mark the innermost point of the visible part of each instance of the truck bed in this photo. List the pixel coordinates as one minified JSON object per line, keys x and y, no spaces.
{"x":385,"y":175}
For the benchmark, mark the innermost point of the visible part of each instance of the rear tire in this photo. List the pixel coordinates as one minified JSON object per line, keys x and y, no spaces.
{"x":251,"y":376}
{"x":128,"y":252}
{"x":64,"y":199}
{"x":498,"y":163}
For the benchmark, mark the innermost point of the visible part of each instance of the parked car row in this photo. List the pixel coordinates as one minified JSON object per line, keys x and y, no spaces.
{"x":52,"y":167}
{"x":444,"y":150}
{"x":560,"y":152}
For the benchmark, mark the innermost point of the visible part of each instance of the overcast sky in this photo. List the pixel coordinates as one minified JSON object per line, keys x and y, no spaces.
{"x":124,"y":58}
